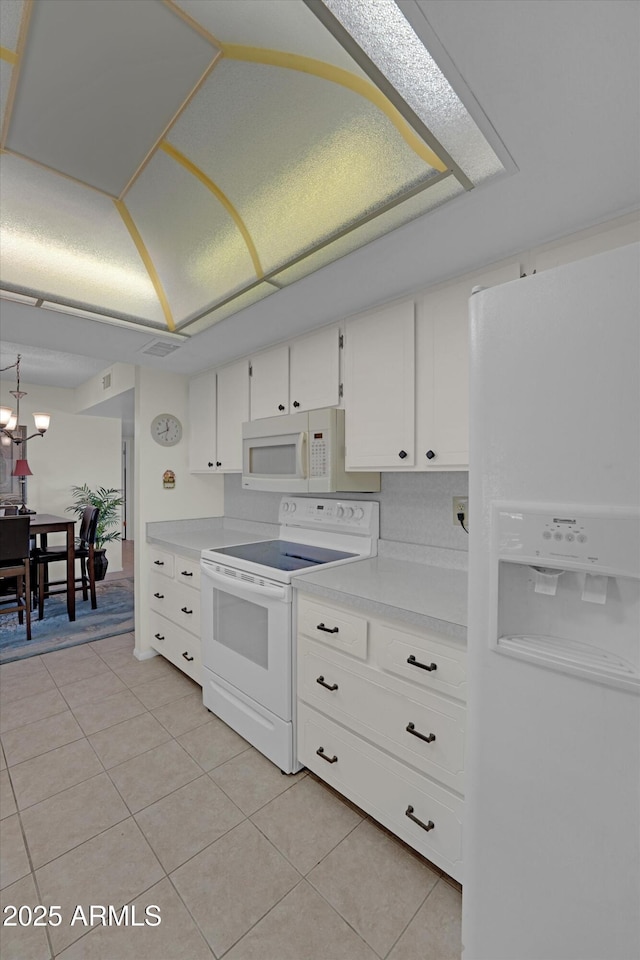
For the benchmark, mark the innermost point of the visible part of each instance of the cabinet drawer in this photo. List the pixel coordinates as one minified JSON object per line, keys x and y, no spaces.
{"x":417,"y":727}
{"x":160,"y":561}
{"x":188,"y":571}
{"x":409,"y":657}
{"x":177,"y":645}
{"x":384,"y":788}
{"x":177,"y":602}
{"x":344,"y":631}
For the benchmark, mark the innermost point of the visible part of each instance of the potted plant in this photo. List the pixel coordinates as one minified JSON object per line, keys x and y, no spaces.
{"x":108,"y":500}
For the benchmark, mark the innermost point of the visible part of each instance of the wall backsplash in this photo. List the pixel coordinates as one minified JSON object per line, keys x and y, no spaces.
{"x":414,"y":507}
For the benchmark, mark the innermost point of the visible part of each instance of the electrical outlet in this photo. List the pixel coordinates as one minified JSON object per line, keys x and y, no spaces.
{"x":461,"y":505}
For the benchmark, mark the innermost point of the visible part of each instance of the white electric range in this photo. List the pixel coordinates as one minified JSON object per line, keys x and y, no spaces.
{"x":248,"y":669}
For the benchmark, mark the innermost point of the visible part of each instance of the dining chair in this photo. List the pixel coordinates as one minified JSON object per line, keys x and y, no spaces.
{"x":14,"y":564}
{"x":84,"y":546}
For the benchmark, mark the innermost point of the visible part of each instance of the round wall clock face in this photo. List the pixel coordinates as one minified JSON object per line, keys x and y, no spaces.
{"x":166,"y":430}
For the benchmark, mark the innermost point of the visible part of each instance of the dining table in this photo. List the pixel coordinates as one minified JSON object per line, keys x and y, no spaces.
{"x":41,"y":524}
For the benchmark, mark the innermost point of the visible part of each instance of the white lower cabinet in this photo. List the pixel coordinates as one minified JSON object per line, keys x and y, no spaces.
{"x":174,"y":620}
{"x":378,"y":723}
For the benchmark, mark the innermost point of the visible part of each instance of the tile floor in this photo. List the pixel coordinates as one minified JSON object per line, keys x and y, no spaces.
{"x":119,"y":788}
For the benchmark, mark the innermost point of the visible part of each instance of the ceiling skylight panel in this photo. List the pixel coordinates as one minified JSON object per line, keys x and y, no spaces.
{"x":386,"y":37}
{"x":61,"y":240}
{"x":300,"y":157}
{"x":194,"y":243}
{"x":423,"y":202}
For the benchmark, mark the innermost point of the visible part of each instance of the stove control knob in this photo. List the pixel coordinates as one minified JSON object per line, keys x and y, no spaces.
{"x":285,"y":506}
{"x":358,"y":513}
{"x":348,"y":512}
{"x":340,"y":512}
{"x":292,"y":506}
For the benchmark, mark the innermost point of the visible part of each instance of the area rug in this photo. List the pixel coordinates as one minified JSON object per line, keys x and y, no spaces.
{"x":114,"y":615}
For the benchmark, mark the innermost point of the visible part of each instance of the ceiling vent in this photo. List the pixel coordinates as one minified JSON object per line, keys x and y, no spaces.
{"x":159,"y":348}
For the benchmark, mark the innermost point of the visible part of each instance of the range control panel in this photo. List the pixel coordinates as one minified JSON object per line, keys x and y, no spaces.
{"x":606,"y":540}
{"x":354,"y":516}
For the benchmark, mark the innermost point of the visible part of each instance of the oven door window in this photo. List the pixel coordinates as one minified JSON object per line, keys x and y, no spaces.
{"x":246,"y":640}
{"x":242,"y":626}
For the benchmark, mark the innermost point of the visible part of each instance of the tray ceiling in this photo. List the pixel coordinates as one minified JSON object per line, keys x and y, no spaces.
{"x":168,"y":163}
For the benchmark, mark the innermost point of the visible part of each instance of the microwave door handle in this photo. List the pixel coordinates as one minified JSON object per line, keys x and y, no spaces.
{"x":225,"y":581}
{"x":301,"y":458}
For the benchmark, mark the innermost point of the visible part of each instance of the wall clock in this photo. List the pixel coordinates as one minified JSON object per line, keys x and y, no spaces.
{"x":166,"y":429}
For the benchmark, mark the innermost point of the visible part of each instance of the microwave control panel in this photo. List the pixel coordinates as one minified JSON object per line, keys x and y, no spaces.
{"x":319,"y":453}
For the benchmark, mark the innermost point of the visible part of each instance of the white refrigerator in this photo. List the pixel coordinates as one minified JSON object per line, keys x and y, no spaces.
{"x":551,"y":839}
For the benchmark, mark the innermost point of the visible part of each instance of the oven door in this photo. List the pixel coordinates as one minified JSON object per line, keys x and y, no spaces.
{"x":246,"y":634}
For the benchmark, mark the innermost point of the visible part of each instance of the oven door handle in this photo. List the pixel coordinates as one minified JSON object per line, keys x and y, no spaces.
{"x":278,"y":592}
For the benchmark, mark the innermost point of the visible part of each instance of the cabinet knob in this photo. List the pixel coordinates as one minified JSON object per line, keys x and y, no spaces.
{"x":184,"y":610}
{"x":210,"y":463}
{"x":321,"y":753}
{"x":430,"y":455}
{"x":403,"y":454}
{"x":186,"y":656}
{"x":295,"y":403}
{"x":158,"y":636}
{"x":280,"y":406}
{"x":218,"y":463}
{"x":159,"y":563}
{"x":186,"y":573}
{"x":159,"y":596}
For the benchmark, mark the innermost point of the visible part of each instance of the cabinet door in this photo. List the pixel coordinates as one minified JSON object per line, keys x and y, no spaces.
{"x":270,"y":383}
{"x":442,"y":371}
{"x":233,"y":410}
{"x":379,"y":389}
{"x":314,"y":364}
{"x":202,"y":423}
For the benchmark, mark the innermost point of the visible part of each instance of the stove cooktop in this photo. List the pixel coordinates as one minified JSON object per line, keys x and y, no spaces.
{"x":284,"y":554}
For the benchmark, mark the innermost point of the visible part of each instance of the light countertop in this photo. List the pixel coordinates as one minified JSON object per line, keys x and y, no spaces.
{"x":428,"y":594}
{"x":425,"y":595}
{"x":190,"y":537}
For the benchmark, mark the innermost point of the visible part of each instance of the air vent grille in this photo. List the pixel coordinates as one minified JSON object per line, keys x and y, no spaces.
{"x":159,"y":348}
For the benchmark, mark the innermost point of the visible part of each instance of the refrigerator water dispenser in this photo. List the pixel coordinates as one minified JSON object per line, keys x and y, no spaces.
{"x":566,"y":589}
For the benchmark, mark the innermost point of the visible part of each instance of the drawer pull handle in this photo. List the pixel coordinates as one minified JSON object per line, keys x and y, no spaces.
{"x":334,"y":759}
{"x":158,"y":637}
{"x":186,"y":573}
{"x":423,"y":666}
{"x":328,"y":686}
{"x":186,"y":656}
{"x":411,"y":728}
{"x":159,"y":596}
{"x":425,"y":826}
{"x":324,"y":629}
{"x":159,"y":563}
{"x":184,"y":610}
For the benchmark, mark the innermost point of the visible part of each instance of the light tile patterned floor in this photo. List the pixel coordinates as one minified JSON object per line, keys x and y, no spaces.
{"x":117,"y":787}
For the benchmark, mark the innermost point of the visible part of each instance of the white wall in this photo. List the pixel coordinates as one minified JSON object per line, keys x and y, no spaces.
{"x":193,"y":496}
{"x":75,"y":450}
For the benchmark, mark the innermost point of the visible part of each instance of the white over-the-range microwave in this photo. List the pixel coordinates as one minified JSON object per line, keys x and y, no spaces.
{"x":300,"y":453}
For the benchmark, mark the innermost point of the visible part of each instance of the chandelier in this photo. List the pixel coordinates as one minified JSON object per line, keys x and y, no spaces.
{"x":10,"y":425}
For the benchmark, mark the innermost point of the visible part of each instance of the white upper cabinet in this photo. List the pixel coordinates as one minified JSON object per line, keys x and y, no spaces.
{"x":301,"y":375}
{"x":379,"y":389}
{"x":233,"y":410}
{"x":202,"y":423}
{"x":314,"y":371}
{"x":270,"y":383}
{"x":442,"y":370}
